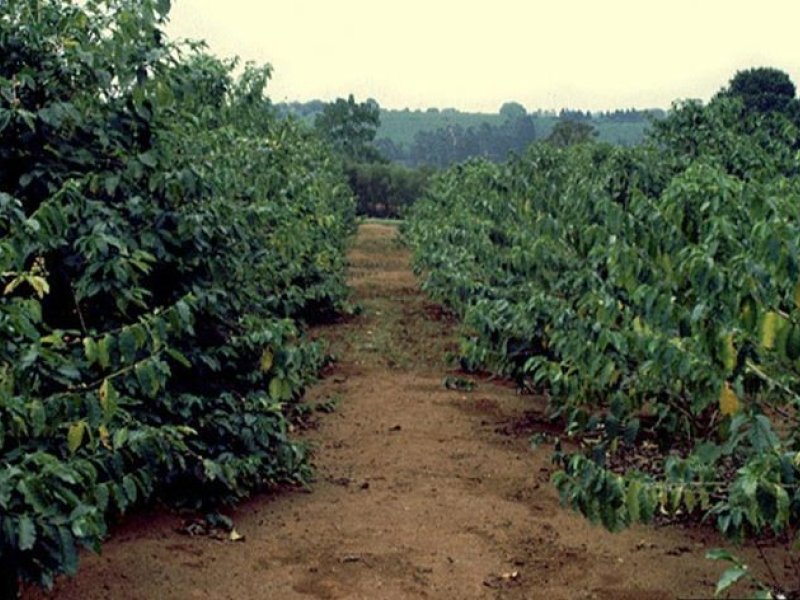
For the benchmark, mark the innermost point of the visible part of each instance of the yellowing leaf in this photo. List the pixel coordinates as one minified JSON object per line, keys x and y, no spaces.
{"x":768,"y":330}
{"x":728,"y":401}
{"x":663,"y":499}
{"x":637,"y":325}
{"x":235,"y":536}
{"x":75,"y":435}
{"x":276,"y":388}
{"x":727,"y":352}
{"x":12,"y":285}
{"x":689,"y":500}
{"x":103,"y":393}
{"x":747,"y":312}
{"x":105,"y":437}
{"x":677,"y":342}
{"x":266,"y":360}
{"x":39,"y":285}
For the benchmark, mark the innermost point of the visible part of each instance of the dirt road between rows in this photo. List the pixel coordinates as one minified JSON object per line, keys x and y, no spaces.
{"x":420,"y":491}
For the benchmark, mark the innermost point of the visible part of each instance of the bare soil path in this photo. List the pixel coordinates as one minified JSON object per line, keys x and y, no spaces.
{"x":421,"y":491}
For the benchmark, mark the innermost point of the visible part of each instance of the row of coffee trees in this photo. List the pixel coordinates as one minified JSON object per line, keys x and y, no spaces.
{"x":164,"y":239}
{"x":653,"y":295}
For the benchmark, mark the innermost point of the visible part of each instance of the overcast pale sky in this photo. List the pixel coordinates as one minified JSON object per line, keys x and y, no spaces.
{"x":587,"y":54}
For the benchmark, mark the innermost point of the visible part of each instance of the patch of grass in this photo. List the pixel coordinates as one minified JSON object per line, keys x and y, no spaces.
{"x":390,"y":222}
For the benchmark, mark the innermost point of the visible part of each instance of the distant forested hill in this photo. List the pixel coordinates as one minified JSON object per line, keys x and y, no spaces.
{"x":440,"y":137}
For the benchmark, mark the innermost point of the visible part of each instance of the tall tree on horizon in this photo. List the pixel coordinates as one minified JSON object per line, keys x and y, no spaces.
{"x":762,"y":89}
{"x":350,"y":127}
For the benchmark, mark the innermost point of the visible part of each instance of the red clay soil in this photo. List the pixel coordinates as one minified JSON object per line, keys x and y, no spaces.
{"x":421,"y":491}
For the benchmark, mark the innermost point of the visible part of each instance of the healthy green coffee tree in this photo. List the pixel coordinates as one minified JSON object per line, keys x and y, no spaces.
{"x":654,"y":293}
{"x":163,"y":237}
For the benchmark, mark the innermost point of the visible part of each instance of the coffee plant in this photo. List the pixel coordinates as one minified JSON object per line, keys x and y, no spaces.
{"x":164,"y":239}
{"x":653,"y":294}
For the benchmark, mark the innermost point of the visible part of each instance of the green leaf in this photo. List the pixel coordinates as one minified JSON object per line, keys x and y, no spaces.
{"x":762,"y":435}
{"x":179,"y":358}
{"x":139,"y":335}
{"x":104,"y":351}
{"x":212,"y":470}
{"x":69,"y":554}
{"x":276,"y":387}
{"x":286,"y":390}
{"x":111,"y":184}
{"x":119,"y":438}
{"x":632,"y":500}
{"x":108,"y":399}
{"x":163,"y":7}
{"x":184,"y":312}
{"x":266,"y":360}
{"x":648,"y":502}
{"x":127,"y":345}
{"x":29,"y":118}
{"x":149,"y":159}
{"x":675,"y":497}
{"x":146,"y":376}
{"x":75,"y":436}
{"x":38,"y":417}
{"x":129,"y":484}
{"x":783,"y":504}
{"x":27,"y":533}
{"x":707,"y":452}
{"x":749,"y":485}
{"x":728,"y":578}
{"x":90,"y":349}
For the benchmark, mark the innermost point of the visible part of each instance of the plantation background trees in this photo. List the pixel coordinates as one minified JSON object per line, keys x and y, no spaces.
{"x":350,"y":127}
{"x":163,"y":238}
{"x":570,"y":132}
{"x":381,"y":189}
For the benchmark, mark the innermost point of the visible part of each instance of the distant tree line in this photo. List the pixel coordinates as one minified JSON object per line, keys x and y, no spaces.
{"x":447,"y":145}
{"x":630,"y":115}
{"x":512,"y":129}
{"x":627,"y":115}
{"x":300,"y":109}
